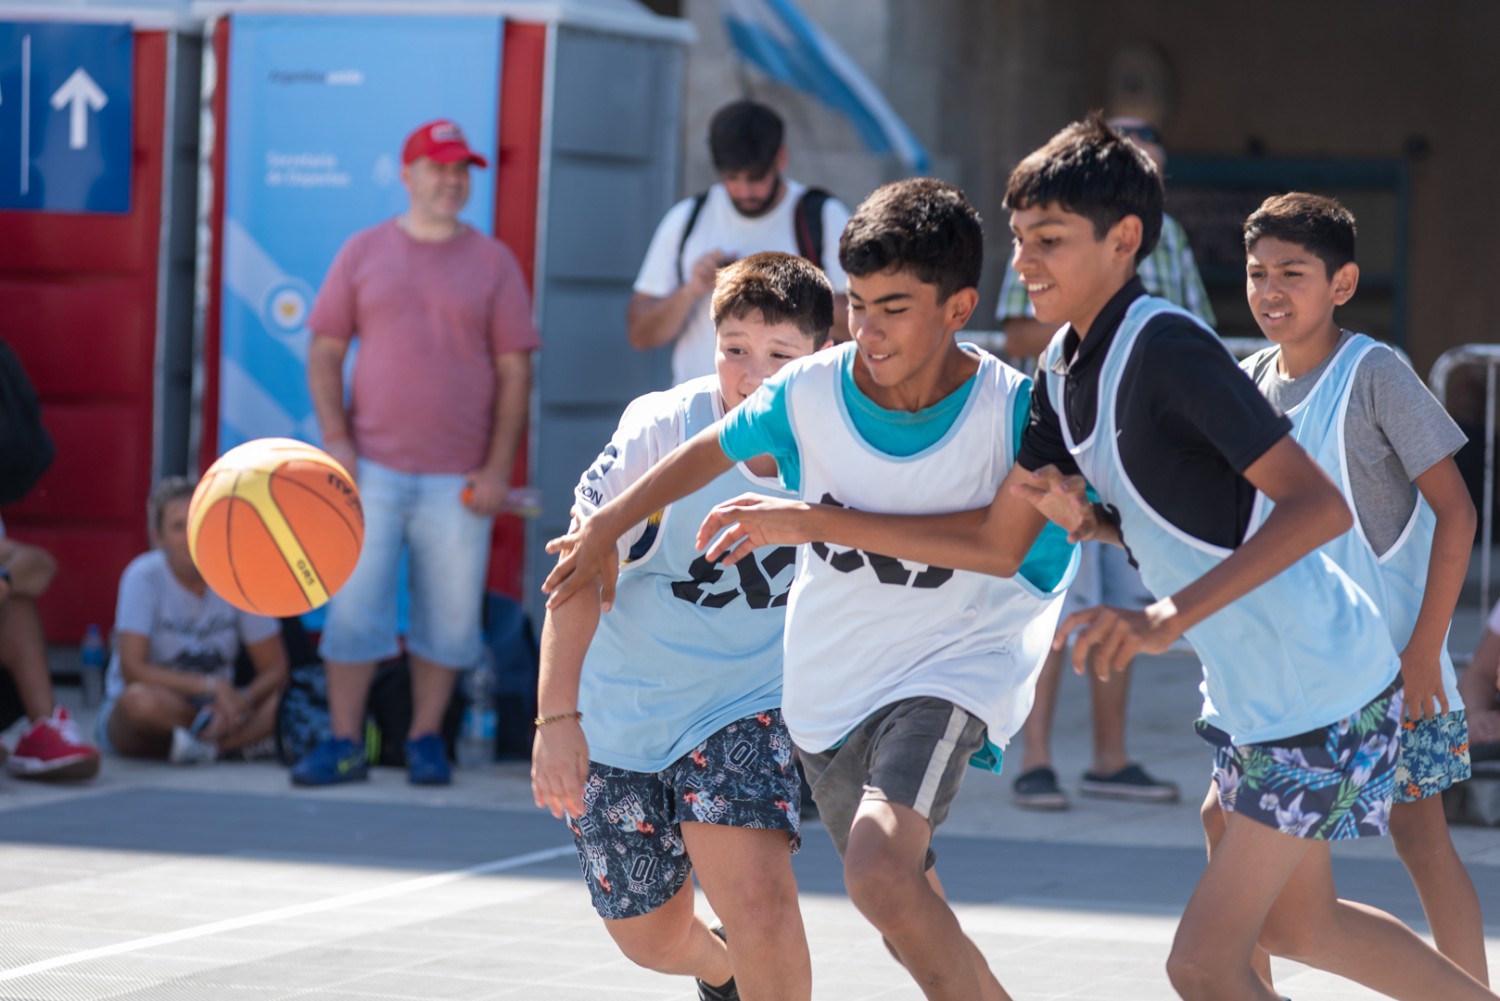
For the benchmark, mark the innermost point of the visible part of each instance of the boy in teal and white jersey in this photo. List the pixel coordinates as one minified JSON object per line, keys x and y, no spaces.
{"x":660,"y":734}
{"x":1367,"y":419}
{"x":896,"y":674}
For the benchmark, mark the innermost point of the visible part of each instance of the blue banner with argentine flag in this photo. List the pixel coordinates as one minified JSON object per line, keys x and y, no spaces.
{"x":318,"y":107}
{"x":780,"y":41}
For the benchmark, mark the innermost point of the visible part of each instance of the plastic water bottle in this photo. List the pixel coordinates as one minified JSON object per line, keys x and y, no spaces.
{"x":91,"y":658}
{"x":476,"y":746}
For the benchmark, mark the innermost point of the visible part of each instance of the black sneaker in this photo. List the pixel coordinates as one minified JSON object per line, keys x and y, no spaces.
{"x":1130,"y":782}
{"x":1037,"y":789}
{"x":724,"y":992}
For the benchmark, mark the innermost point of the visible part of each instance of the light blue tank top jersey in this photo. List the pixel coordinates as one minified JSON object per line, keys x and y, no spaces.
{"x":1302,"y":651}
{"x":688,"y":647}
{"x":1397,"y":579}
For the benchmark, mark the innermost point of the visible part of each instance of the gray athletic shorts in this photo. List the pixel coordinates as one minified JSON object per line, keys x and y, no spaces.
{"x":913,"y":752}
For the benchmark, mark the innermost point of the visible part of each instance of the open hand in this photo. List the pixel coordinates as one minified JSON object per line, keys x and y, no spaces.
{"x":1062,"y":499}
{"x":560,"y":767}
{"x":585,"y":554}
{"x":752,"y":521}
{"x":1113,"y":636}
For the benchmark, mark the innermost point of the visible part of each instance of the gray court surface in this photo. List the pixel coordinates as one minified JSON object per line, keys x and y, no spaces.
{"x":223,"y":882}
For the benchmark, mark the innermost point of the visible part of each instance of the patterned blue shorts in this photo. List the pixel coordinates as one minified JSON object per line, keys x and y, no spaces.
{"x":1330,"y":784}
{"x":630,"y":840}
{"x":1434,"y":756}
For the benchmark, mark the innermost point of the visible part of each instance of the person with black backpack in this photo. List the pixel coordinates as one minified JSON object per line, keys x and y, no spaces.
{"x":753,"y":207}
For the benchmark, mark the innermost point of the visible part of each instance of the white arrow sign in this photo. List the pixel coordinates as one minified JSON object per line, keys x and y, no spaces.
{"x":80,"y":91}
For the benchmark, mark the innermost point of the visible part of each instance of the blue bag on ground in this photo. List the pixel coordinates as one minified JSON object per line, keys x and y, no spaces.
{"x":512,"y":644}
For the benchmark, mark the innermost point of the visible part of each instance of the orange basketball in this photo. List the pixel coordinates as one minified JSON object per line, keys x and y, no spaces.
{"x":275,"y":526}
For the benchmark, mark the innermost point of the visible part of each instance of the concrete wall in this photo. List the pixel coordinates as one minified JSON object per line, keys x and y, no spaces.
{"x":1350,"y":78}
{"x":984,"y":81}
{"x":980,"y":83}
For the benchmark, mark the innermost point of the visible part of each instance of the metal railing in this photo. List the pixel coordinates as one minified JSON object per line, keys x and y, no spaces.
{"x":1450,"y":361}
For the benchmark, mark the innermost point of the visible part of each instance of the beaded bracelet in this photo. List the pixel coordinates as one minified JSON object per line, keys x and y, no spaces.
{"x":544,"y":720}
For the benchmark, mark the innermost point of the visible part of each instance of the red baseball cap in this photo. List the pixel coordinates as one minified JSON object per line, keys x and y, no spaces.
{"x":441,"y":141}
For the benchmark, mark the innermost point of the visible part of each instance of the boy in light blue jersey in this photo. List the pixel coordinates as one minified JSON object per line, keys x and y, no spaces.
{"x":1367,"y":419}
{"x":896,"y":673}
{"x":1302,"y":694}
{"x":660,"y":734}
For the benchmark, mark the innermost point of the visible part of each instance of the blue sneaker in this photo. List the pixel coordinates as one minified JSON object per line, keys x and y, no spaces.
{"x":427,"y":761}
{"x":335,"y":760}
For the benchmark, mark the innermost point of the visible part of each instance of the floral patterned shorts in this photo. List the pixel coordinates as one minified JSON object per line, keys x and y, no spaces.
{"x":1330,"y":784}
{"x":1434,"y":756}
{"x":629,"y":838}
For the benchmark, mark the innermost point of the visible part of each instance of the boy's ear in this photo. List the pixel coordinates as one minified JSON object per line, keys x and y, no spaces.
{"x":959,"y":307}
{"x":1125,"y":236}
{"x":1345,"y":282}
{"x":780,"y":161}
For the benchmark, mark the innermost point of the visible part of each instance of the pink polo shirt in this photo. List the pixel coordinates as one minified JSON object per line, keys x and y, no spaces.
{"x":431,"y":318}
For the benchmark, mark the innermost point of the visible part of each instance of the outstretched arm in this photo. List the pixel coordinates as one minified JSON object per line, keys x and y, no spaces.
{"x":1309,"y":511}
{"x":588,"y":552}
{"x":992,"y":540}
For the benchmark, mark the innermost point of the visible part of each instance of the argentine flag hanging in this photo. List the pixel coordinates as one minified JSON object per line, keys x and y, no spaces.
{"x":779,"y":40}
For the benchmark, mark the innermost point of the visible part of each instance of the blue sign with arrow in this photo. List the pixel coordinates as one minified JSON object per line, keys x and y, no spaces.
{"x":65,"y":116}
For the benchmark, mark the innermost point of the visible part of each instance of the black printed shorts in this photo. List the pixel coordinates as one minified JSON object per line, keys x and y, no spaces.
{"x":630,"y":837}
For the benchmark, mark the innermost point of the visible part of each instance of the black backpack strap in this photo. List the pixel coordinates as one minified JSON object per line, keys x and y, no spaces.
{"x":692,"y":220}
{"x":807,"y":220}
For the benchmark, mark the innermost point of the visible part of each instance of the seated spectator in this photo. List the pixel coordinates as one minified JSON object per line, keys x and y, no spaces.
{"x":170,"y":690}
{"x":52,"y":748}
{"x":1478,"y":685}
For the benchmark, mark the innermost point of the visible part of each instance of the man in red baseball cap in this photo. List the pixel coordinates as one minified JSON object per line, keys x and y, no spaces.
{"x":435,"y":164}
{"x":440,"y":141}
{"x":441,"y":388}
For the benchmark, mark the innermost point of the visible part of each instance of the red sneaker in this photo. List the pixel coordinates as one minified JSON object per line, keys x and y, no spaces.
{"x":53,"y":749}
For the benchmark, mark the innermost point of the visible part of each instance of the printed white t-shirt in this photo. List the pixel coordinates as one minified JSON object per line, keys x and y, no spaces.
{"x":186,"y":631}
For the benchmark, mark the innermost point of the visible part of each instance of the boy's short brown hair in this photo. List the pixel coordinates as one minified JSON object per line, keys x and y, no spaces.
{"x":782,"y":288}
{"x":1317,"y":223}
{"x":920,"y":225}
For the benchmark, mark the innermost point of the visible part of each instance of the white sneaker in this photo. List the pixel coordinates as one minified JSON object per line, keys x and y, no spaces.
{"x":189,"y":750}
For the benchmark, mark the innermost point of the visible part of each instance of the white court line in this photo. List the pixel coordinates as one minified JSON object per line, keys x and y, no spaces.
{"x":292,"y":911}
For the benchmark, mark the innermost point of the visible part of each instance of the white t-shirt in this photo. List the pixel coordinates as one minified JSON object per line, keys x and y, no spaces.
{"x":721,"y":227}
{"x":187,"y":631}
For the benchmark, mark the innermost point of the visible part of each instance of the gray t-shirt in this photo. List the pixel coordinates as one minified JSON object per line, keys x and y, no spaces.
{"x":188,"y":631}
{"x":1394,"y":431}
